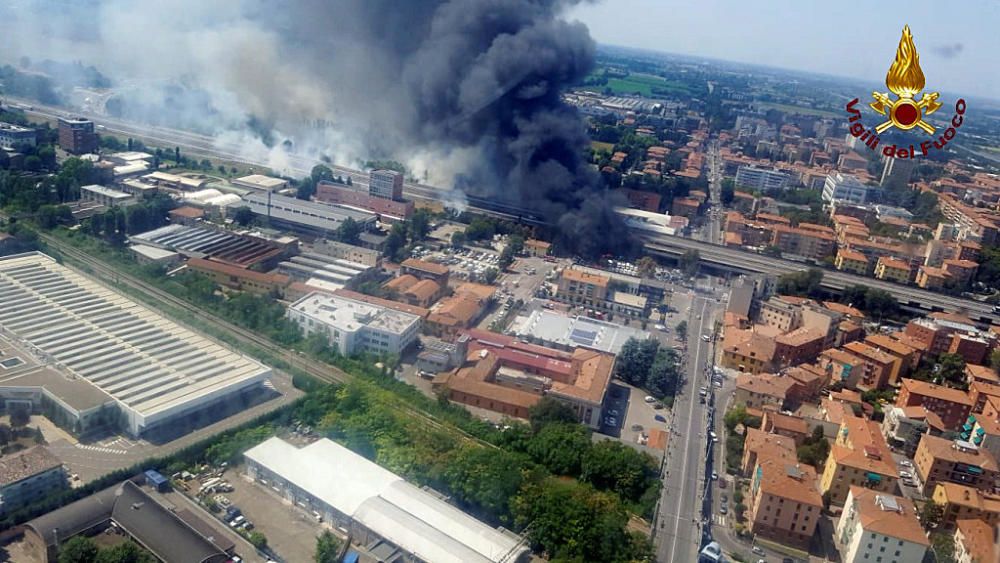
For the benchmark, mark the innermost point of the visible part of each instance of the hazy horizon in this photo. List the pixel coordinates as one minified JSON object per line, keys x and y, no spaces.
{"x":858,"y":40}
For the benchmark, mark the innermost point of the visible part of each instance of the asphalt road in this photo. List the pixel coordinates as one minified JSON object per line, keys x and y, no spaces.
{"x":678,"y":534}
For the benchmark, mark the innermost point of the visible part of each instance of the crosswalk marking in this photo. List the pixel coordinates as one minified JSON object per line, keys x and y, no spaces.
{"x":100,"y":449}
{"x":719,"y":519}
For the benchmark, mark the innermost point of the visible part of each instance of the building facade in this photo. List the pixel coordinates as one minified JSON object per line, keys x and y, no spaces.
{"x":29,"y":476}
{"x":353,"y":327}
{"x":880,"y":528}
{"x":77,"y":136}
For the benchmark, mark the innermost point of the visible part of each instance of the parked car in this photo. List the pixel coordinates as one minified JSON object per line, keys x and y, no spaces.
{"x":649,"y":399}
{"x":758,"y":550}
{"x":660,"y":418}
{"x":715,"y":475}
{"x":723,"y":510}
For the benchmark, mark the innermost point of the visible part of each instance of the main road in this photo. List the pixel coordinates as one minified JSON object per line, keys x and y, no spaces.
{"x":677,"y":532}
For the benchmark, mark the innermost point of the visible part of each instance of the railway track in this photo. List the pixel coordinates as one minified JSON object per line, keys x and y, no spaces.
{"x":319,"y":370}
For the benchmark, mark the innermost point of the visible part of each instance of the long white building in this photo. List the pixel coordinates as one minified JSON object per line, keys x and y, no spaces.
{"x":845,"y":187}
{"x":353,"y":326}
{"x":156,"y":371}
{"x":761,"y":178}
{"x":310,"y":215}
{"x":375,"y":504}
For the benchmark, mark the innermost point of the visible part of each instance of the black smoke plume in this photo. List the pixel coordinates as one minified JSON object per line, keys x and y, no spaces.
{"x":468,"y":90}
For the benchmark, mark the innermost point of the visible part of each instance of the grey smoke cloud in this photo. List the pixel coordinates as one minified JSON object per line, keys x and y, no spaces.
{"x":948,"y":51}
{"x":468,"y":89}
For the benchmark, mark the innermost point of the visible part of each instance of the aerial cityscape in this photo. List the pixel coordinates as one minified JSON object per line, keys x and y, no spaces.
{"x":498,"y":281}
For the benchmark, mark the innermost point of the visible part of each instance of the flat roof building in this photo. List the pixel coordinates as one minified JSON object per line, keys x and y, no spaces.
{"x":354,"y":326}
{"x":845,"y":187}
{"x":373,"y":503}
{"x":158,"y":372}
{"x":28,"y":476}
{"x":106,"y":196}
{"x":14,"y":135}
{"x":77,"y":136}
{"x":761,"y":178}
{"x":562,"y":331}
{"x":261,"y":182}
{"x":305,"y":215}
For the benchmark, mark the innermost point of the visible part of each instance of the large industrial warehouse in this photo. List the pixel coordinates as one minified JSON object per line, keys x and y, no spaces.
{"x":155,"y":370}
{"x":378,"y":506}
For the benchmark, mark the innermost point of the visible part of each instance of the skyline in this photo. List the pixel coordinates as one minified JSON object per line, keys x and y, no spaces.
{"x":953,"y":58}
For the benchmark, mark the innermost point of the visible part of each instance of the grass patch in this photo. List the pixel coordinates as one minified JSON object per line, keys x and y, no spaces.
{"x":599,"y":146}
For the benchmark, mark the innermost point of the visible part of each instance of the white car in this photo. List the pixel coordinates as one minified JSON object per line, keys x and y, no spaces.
{"x":649,"y":399}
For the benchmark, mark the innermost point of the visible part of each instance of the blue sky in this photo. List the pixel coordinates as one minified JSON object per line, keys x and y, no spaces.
{"x":958,"y":41}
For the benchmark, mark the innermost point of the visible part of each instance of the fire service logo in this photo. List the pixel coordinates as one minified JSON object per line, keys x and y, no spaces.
{"x":905,"y":79}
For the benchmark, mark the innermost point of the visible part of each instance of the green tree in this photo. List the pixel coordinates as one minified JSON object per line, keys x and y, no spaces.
{"x":728,"y":192}
{"x":418,"y":225}
{"x":815,"y":449}
{"x":395,"y":243}
{"x":944,"y":547}
{"x":306,"y":189}
{"x":127,"y":552}
{"x":549,"y":410}
{"x":243,"y":216}
{"x":491,"y":275}
{"x":516,"y":244}
{"x":661,"y":380}
{"x":79,"y":549}
{"x":931,"y":514}
{"x":689,"y":262}
{"x":646,"y":266}
{"x":506,"y":257}
{"x":682,"y":330}
{"x":457,"y":239}
{"x":805,"y":283}
{"x":258,"y":539}
{"x":610,"y":465}
{"x":349,"y":231}
{"x":485,"y":480}
{"x":635,"y":360}
{"x":951,"y":368}
{"x":560,"y":447}
{"x":327,"y":548}
{"x":321,"y":173}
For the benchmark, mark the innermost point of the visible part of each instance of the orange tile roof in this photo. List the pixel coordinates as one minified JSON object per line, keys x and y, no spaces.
{"x":592,"y":371}
{"x":954,"y":493}
{"x":786,"y":422}
{"x":789,"y":480}
{"x":425,"y":266}
{"x":901,"y":524}
{"x":769,"y":446}
{"x":457,"y":310}
{"x":401,"y":283}
{"x":423,"y":290}
{"x":844,"y":309}
{"x":983,"y":373}
{"x":942,"y":448}
{"x":187,"y":212}
{"x":928,"y":389}
{"x":979,"y":539}
{"x":868,"y":451}
{"x":848,"y":254}
{"x":884,"y":341}
{"x":204,"y":265}
{"x":477,"y":290}
{"x":868,"y":352}
{"x":586,"y":277}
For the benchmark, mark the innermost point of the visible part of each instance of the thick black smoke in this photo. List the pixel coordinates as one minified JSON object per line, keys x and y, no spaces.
{"x":468,"y":87}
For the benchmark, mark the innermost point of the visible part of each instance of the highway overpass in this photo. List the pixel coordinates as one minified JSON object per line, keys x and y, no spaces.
{"x":736,"y":260}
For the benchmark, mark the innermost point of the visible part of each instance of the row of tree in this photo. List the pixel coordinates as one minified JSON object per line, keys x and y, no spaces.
{"x":645,"y":364}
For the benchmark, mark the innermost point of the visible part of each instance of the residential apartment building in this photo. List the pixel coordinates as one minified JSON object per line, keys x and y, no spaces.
{"x":757,"y":391}
{"x":783,"y":312}
{"x":960,"y":502}
{"x":845,"y":187}
{"x":14,"y":135}
{"x":851,"y":261}
{"x":761,"y":179}
{"x":939,"y":460}
{"x":880,"y":528}
{"x":907,"y":356}
{"x":424,"y":270}
{"x":761,"y":445}
{"x":353,"y":327}
{"x":904,"y":426}
{"x":785,"y":504}
{"x":77,"y":136}
{"x":28,"y":476}
{"x":106,"y":196}
{"x":810,"y":244}
{"x":976,"y":542}
{"x":892,"y":269}
{"x":952,"y":405}
{"x":859,"y":456}
{"x":878,"y":367}
{"x":583,"y":288}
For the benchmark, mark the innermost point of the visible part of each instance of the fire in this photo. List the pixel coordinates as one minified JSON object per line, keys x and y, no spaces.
{"x":905,"y":77}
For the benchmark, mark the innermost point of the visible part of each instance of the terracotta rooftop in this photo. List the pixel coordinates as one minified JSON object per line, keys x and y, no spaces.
{"x":979,"y":539}
{"x":884,"y":342}
{"x":928,"y":389}
{"x":844,"y":309}
{"x":423,"y":290}
{"x":800,"y":336}
{"x":868,"y":352}
{"x":187,"y":212}
{"x":789,"y":480}
{"x":888,"y":515}
{"x":401,"y":283}
{"x":768,"y":446}
{"x":785,"y":422}
{"x":982,"y":373}
{"x":868,"y":450}
{"x":945,"y":449}
{"x":962,"y":495}
{"x":202,"y":264}
{"x":585,"y":277}
{"x":848,"y":254}
{"x":765,"y":384}
{"x":425,"y":266}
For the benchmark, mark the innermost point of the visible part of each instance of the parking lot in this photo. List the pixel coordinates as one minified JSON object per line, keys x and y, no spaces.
{"x":290,"y":531}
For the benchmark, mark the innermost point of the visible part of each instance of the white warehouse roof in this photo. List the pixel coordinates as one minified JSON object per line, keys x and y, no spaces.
{"x":405,"y":515}
{"x":153,"y":367}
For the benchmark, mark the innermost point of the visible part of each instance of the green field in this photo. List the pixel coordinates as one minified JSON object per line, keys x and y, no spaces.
{"x":643,"y":84}
{"x":798,"y":109}
{"x":599,"y":146}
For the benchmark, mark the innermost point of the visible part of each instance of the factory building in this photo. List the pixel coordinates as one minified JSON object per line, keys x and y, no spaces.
{"x":106,"y":196}
{"x":77,"y":136}
{"x":353,"y":326}
{"x":392,"y":518}
{"x":160,"y":375}
{"x":305,"y":215}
